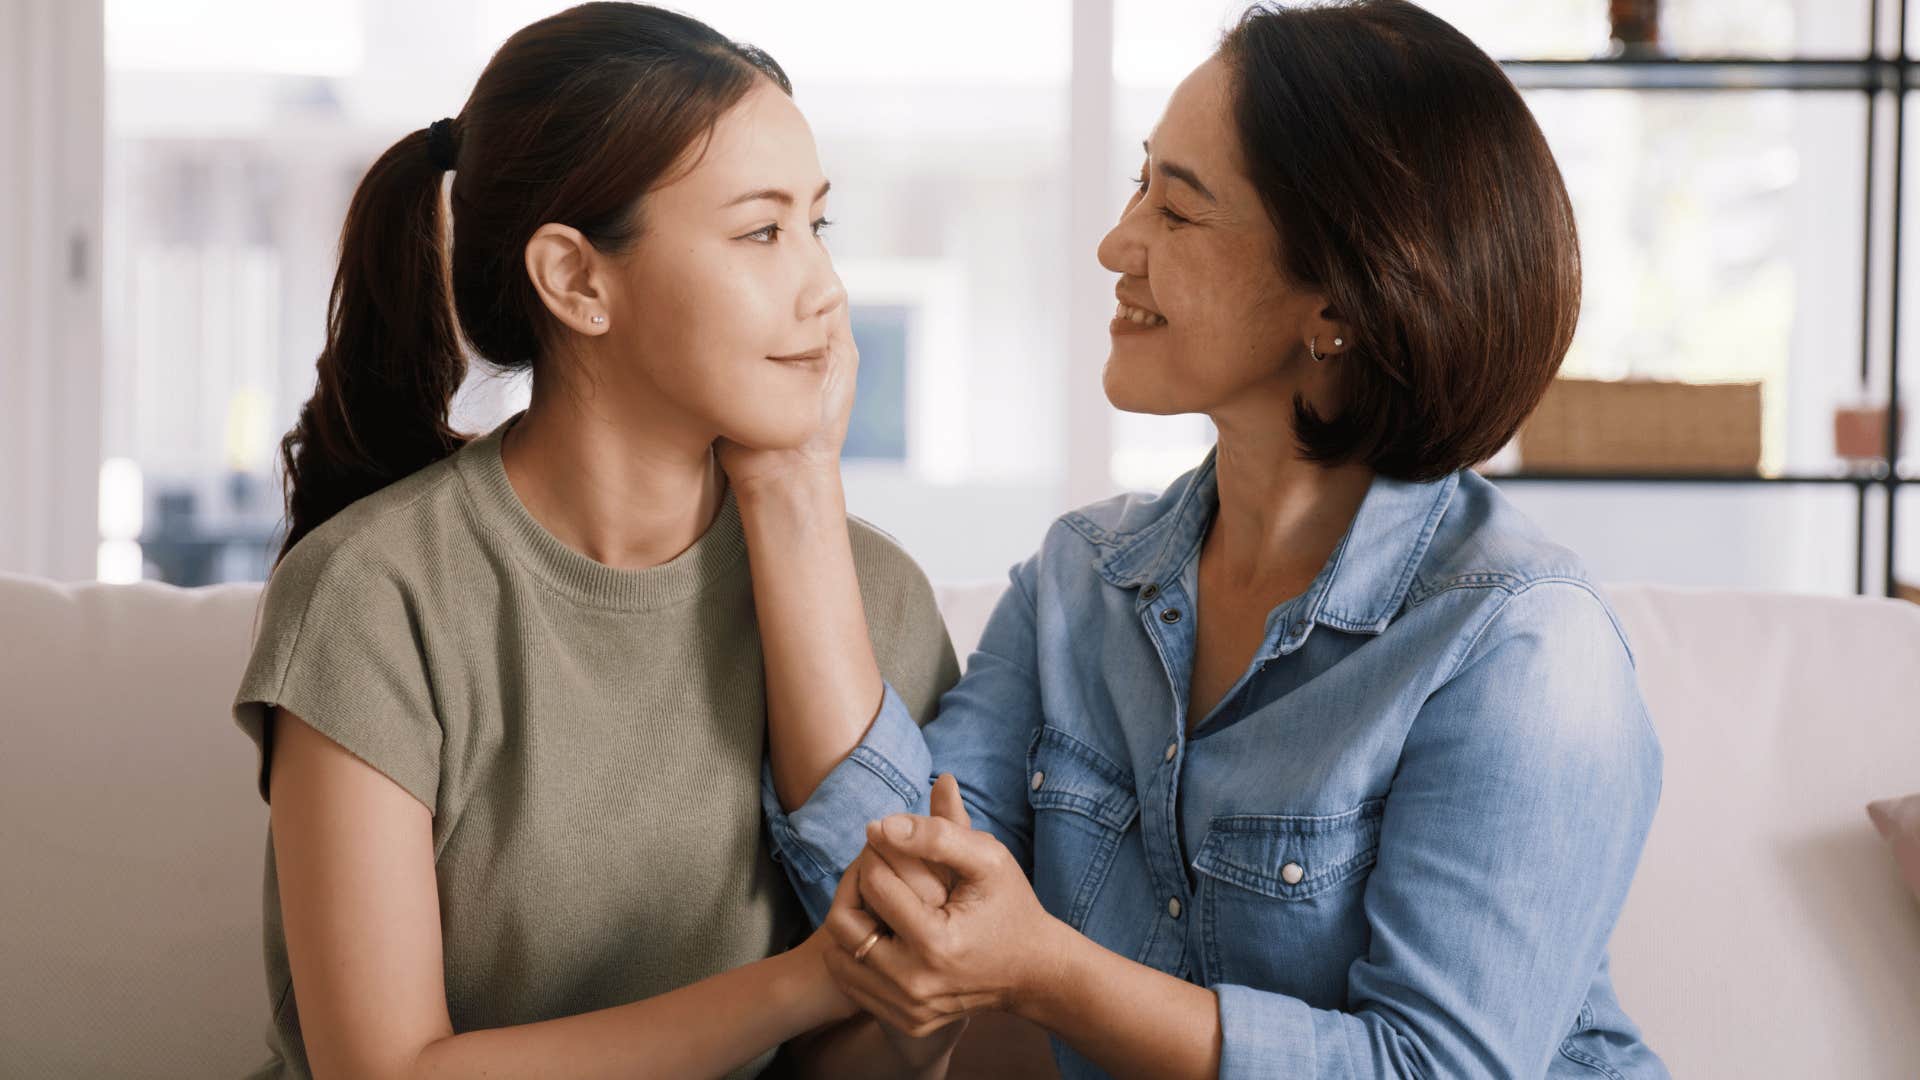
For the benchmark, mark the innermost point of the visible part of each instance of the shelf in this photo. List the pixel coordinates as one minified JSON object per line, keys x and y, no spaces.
{"x":1872,"y":75}
{"x":1709,"y":73}
{"x":1864,"y":481}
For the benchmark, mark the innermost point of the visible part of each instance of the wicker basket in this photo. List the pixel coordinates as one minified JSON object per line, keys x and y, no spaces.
{"x":1644,"y":426}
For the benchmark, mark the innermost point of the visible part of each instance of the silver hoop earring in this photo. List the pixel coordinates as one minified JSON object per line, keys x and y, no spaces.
{"x":1311,"y":351}
{"x":597,"y":319}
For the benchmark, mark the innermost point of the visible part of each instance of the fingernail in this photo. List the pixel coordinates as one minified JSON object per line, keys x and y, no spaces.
{"x":898,"y":827}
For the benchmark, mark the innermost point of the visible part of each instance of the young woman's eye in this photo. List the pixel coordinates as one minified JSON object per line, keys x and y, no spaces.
{"x":821,"y":225}
{"x":765,"y":235}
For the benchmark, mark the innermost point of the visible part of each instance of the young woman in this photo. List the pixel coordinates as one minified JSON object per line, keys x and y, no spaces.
{"x":508,"y":692}
{"x":1325,"y":762}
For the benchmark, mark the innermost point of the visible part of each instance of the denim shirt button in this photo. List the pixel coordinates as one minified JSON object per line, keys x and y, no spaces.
{"x":1173,"y":906}
{"x":1171,"y":615}
{"x":1149,"y":592}
{"x":1038,"y":779}
{"x":1292,"y":873}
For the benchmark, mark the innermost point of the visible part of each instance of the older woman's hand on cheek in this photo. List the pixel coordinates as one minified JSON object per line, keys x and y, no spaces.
{"x":987,"y":948}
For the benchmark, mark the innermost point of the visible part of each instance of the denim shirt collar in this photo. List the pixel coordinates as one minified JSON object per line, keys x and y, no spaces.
{"x":1361,"y":587}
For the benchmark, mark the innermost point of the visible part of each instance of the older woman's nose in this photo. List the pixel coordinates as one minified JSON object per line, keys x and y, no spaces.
{"x":1122,"y":252}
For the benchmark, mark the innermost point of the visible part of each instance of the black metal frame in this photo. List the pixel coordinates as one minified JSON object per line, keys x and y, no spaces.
{"x":1874,"y":75}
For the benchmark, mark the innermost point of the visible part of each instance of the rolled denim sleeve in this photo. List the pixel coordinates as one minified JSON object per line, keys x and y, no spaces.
{"x":886,"y":774}
{"x":980,"y":734}
{"x":988,"y":720}
{"x":1264,"y":1035}
{"x":1508,"y":840}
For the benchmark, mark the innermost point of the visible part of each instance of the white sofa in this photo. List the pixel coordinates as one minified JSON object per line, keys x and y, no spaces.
{"x":1767,"y":934}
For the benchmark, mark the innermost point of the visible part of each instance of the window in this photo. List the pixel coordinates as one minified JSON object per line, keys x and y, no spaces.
{"x":1722,"y":229}
{"x":237,"y":132}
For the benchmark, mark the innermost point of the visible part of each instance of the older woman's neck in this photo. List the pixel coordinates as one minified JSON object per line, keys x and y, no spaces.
{"x":1280,"y":516}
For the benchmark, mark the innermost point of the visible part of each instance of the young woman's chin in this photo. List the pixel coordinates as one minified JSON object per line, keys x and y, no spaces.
{"x":772,"y":423}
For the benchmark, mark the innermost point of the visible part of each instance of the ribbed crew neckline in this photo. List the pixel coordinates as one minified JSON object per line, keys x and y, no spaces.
{"x":712,"y":558}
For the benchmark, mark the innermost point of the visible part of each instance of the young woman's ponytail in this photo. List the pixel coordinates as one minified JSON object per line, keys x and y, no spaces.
{"x":392,"y":360}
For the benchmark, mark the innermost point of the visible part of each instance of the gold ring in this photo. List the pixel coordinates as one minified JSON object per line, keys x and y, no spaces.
{"x":860,"y":954}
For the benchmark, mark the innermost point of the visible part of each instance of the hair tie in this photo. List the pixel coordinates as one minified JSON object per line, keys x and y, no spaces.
{"x":440,"y":148}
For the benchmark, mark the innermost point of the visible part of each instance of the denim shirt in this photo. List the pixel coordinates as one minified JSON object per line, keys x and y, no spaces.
{"x":1397,"y":847}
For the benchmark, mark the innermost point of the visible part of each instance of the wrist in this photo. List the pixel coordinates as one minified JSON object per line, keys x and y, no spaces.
{"x":816,"y":997}
{"x":1059,"y":962}
{"x":799,"y":487}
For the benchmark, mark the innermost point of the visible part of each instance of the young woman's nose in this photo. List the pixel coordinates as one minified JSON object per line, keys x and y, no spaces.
{"x":822,"y":291}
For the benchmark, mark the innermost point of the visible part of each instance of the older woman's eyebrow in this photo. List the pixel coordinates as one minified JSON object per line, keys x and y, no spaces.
{"x":784,"y":198}
{"x":1183,"y":174}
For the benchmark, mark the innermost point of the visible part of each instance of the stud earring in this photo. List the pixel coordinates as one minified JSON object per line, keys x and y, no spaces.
{"x":597,"y":319}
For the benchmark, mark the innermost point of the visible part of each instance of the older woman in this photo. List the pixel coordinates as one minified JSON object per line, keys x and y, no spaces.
{"x":1325,"y":761}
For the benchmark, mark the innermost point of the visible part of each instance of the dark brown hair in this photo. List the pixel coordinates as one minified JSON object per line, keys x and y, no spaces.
{"x":1410,"y":183}
{"x":572,"y":121}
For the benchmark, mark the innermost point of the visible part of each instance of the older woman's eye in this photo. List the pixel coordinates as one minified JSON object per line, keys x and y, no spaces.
{"x":1172,"y":217}
{"x":1141,"y":180}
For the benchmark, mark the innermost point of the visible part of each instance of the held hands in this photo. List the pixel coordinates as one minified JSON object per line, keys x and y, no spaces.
{"x":930,"y":885}
{"x":986,"y":947}
{"x":748,"y":468}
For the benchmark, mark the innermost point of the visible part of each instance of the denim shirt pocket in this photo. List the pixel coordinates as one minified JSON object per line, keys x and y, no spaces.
{"x":1083,"y":805}
{"x":1272,"y":891}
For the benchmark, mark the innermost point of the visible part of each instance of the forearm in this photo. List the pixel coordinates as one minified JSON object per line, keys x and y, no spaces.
{"x":1128,"y":1018}
{"x":706,"y":1029}
{"x":823,"y":686}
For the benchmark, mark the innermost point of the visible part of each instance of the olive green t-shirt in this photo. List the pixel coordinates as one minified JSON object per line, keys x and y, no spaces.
{"x":589,"y":739}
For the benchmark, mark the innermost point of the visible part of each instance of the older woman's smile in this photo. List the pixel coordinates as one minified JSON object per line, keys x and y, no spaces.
{"x":1128,"y":319}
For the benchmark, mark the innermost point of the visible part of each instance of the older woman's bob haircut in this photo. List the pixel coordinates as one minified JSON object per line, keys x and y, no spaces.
{"x":1408,"y":181}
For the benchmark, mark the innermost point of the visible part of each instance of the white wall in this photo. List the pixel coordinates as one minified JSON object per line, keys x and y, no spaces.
{"x":51,"y":129}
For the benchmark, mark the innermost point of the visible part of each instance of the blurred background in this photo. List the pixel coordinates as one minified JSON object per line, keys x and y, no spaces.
{"x":176,"y":174}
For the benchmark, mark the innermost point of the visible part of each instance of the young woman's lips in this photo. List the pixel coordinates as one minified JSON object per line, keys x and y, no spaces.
{"x":811,"y":356}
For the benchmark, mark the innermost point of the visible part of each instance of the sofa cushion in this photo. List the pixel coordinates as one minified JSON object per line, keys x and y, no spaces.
{"x":1766,"y":934}
{"x":130,"y":832}
{"x":1899,"y":823}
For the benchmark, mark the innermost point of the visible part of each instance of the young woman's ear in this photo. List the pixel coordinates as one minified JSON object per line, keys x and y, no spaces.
{"x":565,"y":270}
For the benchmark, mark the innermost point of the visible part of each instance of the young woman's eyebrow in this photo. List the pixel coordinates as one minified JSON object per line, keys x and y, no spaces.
{"x":1184,"y":175}
{"x":784,"y":198}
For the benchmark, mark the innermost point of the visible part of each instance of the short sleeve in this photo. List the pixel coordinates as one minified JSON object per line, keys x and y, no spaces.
{"x":910,"y":642}
{"x":338,"y":646}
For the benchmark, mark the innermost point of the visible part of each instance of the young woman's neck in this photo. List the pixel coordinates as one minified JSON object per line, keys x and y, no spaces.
{"x":624,"y":486}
